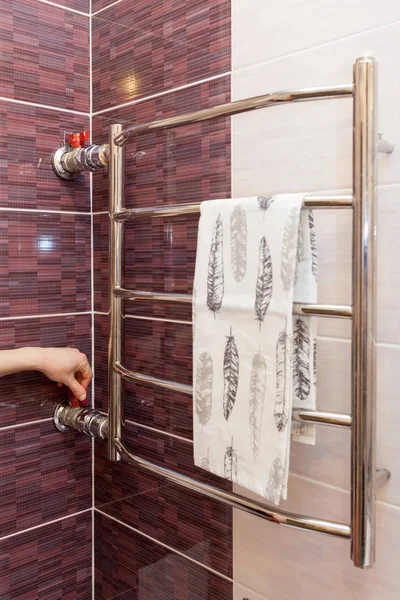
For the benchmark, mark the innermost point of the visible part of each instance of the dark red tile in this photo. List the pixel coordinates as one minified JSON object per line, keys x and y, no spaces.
{"x":187,"y":164}
{"x":161,"y":409}
{"x":185,"y":520}
{"x":45,"y":54}
{"x":45,"y":266}
{"x":27,"y":180}
{"x":44,"y":475}
{"x":131,"y":567}
{"x":100,"y":4}
{"x":82,"y":5}
{"x":49,"y":563}
{"x":141,"y":48}
{"x":30,"y":396}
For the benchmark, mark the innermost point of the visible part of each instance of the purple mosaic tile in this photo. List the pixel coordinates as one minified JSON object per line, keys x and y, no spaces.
{"x":44,"y":475}
{"x":183,"y":165}
{"x":141,"y":48}
{"x":82,"y":5}
{"x":49,"y":563}
{"x":27,"y":180}
{"x":161,"y":409}
{"x":46,"y":263}
{"x":45,"y":56}
{"x":131,"y":567}
{"x":30,"y":396}
{"x":185,"y":520}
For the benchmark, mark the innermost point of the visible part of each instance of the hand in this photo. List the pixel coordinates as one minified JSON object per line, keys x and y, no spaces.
{"x":66,"y":366}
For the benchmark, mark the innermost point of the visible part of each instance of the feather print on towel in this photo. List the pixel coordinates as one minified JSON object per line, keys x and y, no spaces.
{"x":256,"y":402}
{"x":203,"y":387}
{"x":231,"y":375}
{"x":289,"y":248}
{"x":265,"y":202}
{"x":215,"y":273}
{"x":313,"y":245}
{"x":238,"y":242}
{"x":206,"y":463}
{"x":231,"y":463}
{"x":281,"y":414}
{"x":315,"y":362}
{"x":301,"y":359}
{"x":300,"y":249}
{"x":274,"y":486}
{"x":264,"y":281}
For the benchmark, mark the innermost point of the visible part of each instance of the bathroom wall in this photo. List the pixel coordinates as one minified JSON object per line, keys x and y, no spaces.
{"x":45,"y":299}
{"x":153,"y":59}
{"x":308,"y":147}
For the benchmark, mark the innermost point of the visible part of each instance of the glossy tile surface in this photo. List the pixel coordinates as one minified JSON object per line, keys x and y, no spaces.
{"x":29,"y":396}
{"x":46,"y":263}
{"x":262,"y":31}
{"x":281,"y":563}
{"x":142,"y":48}
{"x":182,"y":165}
{"x":184,"y":520}
{"x":81,"y":5}
{"x":132,"y":567}
{"x":27,"y":180}
{"x":49,"y":563}
{"x":45,"y":55}
{"x":154,"y":407}
{"x":45,"y":475}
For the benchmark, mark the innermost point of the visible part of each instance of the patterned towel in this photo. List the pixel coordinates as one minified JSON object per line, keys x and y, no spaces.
{"x":252,"y":360}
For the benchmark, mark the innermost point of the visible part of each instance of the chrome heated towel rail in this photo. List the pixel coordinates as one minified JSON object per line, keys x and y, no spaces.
{"x":361,"y":530}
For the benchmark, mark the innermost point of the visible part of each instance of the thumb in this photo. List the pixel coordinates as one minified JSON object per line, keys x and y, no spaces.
{"x":76,"y":388}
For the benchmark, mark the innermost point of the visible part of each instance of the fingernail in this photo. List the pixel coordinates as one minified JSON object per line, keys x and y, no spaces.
{"x":83,"y":397}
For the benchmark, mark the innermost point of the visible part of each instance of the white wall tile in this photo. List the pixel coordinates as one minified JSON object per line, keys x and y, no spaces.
{"x":329,"y":460}
{"x":308,"y":146}
{"x":286,"y":564}
{"x":240,"y":592}
{"x":264,"y":29}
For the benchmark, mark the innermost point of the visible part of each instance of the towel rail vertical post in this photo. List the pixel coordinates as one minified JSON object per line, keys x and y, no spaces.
{"x":115,"y":346}
{"x":363,"y":333}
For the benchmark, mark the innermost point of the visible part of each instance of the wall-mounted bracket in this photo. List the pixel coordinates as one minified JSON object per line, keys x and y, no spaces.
{"x":73,"y":158}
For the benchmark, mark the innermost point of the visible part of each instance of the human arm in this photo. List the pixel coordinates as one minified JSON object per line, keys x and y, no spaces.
{"x":64,"y":365}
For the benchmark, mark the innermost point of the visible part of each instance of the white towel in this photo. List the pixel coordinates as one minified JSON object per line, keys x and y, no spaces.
{"x":252,"y":360}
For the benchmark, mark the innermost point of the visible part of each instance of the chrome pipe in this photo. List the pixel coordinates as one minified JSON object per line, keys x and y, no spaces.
{"x":300,"y":415}
{"x":115,"y":345}
{"x":363,"y":481}
{"x":175,"y":210}
{"x":316,"y":310}
{"x":322,"y":417}
{"x":82,"y":419}
{"x":253,"y":507}
{"x":234,"y":108}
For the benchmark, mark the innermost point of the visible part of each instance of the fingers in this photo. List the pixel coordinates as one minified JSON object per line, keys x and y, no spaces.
{"x":76,"y":388}
{"x":84,"y":373}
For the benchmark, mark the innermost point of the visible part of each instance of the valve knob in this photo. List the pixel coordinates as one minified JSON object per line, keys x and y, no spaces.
{"x":77,"y":140}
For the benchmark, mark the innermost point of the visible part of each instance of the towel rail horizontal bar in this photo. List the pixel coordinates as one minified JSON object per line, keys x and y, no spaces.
{"x":174,"y":210}
{"x":253,"y":507}
{"x":343,"y":311}
{"x":300,"y":415}
{"x":234,"y":108}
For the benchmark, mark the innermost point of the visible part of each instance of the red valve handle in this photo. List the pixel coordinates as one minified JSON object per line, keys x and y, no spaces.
{"x":78,"y":139}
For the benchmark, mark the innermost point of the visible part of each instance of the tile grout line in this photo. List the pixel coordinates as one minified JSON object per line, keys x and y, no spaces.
{"x":44,"y":106}
{"x":44,"y":211}
{"x":41,"y":525}
{"x":160,"y":94}
{"x":47,"y":316}
{"x":26,"y":424}
{"x":105,"y":8}
{"x":170,"y":548}
{"x":73,"y":10}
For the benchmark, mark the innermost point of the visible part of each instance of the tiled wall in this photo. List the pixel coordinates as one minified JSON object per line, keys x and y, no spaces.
{"x":45,"y":299}
{"x":308,"y":147}
{"x":151,"y":59}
